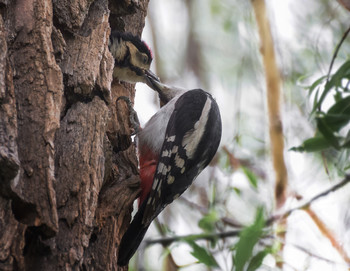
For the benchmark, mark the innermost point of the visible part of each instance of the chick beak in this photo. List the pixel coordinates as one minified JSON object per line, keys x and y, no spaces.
{"x":152,"y":80}
{"x":165,"y":92}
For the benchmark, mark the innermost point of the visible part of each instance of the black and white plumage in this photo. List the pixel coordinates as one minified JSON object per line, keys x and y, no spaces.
{"x":181,"y":139}
{"x":191,"y":140}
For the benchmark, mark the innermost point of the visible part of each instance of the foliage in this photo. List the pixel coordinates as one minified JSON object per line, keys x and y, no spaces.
{"x":202,"y":254}
{"x":226,"y":44}
{"x":251,"y":177}
{"x":207,"y":223}
{"x":249,"y":237}
{"x":330,"y":122}
{"x":246,"y":254}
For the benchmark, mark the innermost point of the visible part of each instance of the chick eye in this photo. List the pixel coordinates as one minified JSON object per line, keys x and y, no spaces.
{"x":145,"y":59}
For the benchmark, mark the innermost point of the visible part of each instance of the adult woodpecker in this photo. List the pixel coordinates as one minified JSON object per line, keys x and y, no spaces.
{"x":175,"y":145}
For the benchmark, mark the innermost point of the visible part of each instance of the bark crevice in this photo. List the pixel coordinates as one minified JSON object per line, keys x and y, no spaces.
{"x":68,"y":168}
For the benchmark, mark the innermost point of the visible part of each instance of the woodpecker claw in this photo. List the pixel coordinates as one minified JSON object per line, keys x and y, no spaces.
{"x":133,"y":118}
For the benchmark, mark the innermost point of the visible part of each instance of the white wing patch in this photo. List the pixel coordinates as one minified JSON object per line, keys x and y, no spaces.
{"x":166,"y":153}
{"x":163,"y":169}
{"x":171,"y":138}
{"x":179,"y":162}
{"x":175,"y":149}
{"x":154,"y":185}
{"x":160,"y":167}
{"x":192,"y":137}
{"x":171,"y":179}
{"x":166,"y":170}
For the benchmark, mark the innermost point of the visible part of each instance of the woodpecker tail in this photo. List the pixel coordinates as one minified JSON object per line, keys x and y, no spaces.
{"x":132,"y":238}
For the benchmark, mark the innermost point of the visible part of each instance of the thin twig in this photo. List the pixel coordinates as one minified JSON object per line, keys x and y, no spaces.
{"x":312,"y":254}
{"x":212,"y":236}
{"x":336,"y":52}
{"x":236,"y":163}
{"x":204,"y":236}
{"x":306,"y":251}
{"x":170,"y":262}
{"x":328,"y":234}
{"x":204,"y":210}
{"x":334,"y":188}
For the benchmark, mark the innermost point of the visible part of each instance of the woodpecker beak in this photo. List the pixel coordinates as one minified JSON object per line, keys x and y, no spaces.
{"x":151,"y":78}
{"x":154,"y":82}
{"x":165,"y":92}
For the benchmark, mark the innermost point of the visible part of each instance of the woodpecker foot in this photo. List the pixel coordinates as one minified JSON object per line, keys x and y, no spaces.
{"x":133,"y":118}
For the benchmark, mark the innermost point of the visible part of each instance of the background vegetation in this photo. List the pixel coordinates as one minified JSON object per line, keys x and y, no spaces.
{"x":234,"y":217}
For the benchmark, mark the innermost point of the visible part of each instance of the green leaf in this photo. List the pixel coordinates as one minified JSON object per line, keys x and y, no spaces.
{"x":215,"y":7}
{"x":341,"y":106}
{"x":202,"y":255}
{"x":251,"y":177}
{"x":237,"y":190}
{"x":329,"y":85}
{"x":336,"y":121}
{"x":257,"y":260}
{"x":339,"y":114}
{"x":315,"y":102}
{"x":313,"y":144}
{"x":248,"y":238}
{"x":207,"y":223}
{"x":227,"y":25}
{"x":342,"y":72}
{"x":346,"y":144}
{"x":315,"y":84}
{"x":338,"y":96}
{"x":335,"y":81}
{"x":327,"y":132}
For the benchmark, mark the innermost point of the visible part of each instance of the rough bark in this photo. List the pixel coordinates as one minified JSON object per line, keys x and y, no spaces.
{"x":68,"y":169}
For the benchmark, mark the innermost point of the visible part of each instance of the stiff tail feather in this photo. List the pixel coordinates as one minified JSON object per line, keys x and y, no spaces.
{"x":132,"y":238}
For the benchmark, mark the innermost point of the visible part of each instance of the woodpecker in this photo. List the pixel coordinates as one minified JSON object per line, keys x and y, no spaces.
{"x":175,"y":145}
{"x":132,"y":58}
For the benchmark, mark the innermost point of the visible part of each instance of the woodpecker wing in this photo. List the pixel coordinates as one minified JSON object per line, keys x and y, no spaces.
{"x":191,"y":140}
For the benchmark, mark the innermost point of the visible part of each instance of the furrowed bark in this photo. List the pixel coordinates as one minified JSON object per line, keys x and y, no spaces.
{"x":68,"y":168}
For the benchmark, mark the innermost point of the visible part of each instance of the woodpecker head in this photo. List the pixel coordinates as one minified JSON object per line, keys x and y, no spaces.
{"x":132,"y":58}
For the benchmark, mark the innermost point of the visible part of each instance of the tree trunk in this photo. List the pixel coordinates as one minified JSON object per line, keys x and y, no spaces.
{"x":68,"y":169}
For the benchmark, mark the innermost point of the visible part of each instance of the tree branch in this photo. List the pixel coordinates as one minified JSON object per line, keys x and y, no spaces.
{"x":204,"y":210}
{"x":334,"y":188}
{"x":166,"y":241}
{"x":328,"y":234}
{"x":273,"y":92}
{"x":306,"y":251}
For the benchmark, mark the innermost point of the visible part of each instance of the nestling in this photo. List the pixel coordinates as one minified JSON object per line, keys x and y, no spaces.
{"x":132,"y":58}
